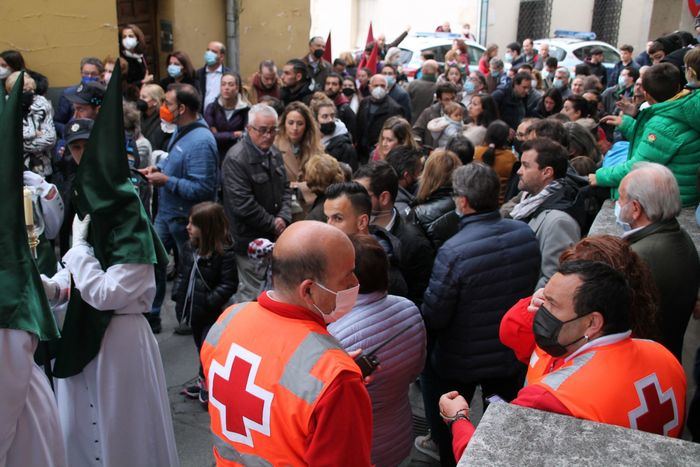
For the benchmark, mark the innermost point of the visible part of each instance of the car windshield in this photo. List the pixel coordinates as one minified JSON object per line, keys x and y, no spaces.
{"x":405,"y":56}
{"x":609,"y":55}
{"x":557,"y":53}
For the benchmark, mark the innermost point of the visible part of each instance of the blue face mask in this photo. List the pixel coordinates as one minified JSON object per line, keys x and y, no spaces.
{"x":508,"y":57}
{"x":494,"y":74}
{"x":89,"y":79}
{"x":174,"y":70}
{"x":210,"y":58}
{"x":559,"y":84}
{"x":469,"y":87}
{"x":625,"y":225}
{"x":545,"y":74}
{"x":622,"y":82}
{"x":390,"y":81}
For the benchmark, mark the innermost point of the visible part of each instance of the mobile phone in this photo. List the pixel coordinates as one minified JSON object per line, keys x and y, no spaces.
{"x":367,"y":364}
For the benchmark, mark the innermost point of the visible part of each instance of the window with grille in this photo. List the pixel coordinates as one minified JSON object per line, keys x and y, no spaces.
{"x":606,"y":20}
{"x":534,"y":19}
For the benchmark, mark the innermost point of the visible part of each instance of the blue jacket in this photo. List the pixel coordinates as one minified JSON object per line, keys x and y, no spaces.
{"x":478,"y":274}
{"x":192,"y":170}
{"x":375,"y":318}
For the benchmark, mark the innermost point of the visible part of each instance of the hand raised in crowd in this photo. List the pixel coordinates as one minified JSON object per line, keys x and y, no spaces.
{"x":627,"y":106}
{"x":452,"y":404}
{"x":613,"y":120}
{"x":280,"y":224}
{"x":536,"y":301}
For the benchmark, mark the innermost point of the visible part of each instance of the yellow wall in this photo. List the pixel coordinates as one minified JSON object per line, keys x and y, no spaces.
{"x":195,"y":24}
{"x":54,"y":35}
{"x":272,"y":29}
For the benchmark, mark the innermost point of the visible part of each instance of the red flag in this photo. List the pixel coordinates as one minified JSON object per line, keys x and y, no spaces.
{"x":372,"y":60}
{"x":327,"y":56}
{"x":370,"y":36}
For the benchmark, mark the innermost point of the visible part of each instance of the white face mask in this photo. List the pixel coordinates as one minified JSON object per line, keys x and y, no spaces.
{"x":129,"y":43}
{"x":4,"y":72}
{"x":378,"y":93}
{"x":618,"y":218}
{"x":344,"y":301}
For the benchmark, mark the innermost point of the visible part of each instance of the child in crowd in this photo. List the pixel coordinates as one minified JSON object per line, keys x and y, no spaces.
{"x":206,"y":280}
{"x":450,"y":124}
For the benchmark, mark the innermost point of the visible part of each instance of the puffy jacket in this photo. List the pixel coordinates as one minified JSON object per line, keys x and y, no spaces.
{"x":477,"y":276}
{"x":342,"y":149}
{"x":511,"y":108}
{"x":215,"y":281}
{"x":666,"y":133}
{"x":375,"y":318}
{"x":256,"y":191}
{"x":437,"y":216}
{"x":417,"y":256}
{"x":369,"y":125}
{"x":215,"y":115}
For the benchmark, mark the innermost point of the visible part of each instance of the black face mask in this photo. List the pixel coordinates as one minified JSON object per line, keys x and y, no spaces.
{"x":348,"y":92}
{"x":327,"y":128}
{"x":318,"y":53}
{"x":518,"y":145}
{"x":546,"y":328}
{"x":142,"y":105}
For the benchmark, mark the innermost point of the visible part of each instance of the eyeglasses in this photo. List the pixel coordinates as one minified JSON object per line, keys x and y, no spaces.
{"x":265,"y":131}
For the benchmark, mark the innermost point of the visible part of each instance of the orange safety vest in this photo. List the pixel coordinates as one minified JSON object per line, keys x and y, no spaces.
{"x":265,"y":373}
{"x":632,"y":383}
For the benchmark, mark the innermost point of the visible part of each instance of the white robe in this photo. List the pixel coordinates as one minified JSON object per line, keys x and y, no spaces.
{"x":30,"y":433}
{"x":116,"y":412}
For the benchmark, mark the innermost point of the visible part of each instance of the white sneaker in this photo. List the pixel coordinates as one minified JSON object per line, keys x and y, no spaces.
{"x":426,"y":445}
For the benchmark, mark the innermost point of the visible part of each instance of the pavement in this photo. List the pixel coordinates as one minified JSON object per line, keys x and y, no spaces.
{"x":191,"y":421}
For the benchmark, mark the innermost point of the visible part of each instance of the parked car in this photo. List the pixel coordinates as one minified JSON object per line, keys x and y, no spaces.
{"x":439,"y":43}
{"x":571,"y":48}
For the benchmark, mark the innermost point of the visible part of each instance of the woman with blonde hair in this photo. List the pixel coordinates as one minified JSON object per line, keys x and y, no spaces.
{"x":396,"y":131}
{"x":434,"y":207}
{"x":320,"y":172}
{"x":298,"y":139}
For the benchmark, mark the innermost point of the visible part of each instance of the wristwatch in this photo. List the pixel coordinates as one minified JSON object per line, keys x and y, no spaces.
{"x":459,"y":416}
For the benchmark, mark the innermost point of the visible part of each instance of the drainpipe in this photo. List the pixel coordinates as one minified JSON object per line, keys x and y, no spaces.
{"x":483,"y":21}
{"x":232,"y":57}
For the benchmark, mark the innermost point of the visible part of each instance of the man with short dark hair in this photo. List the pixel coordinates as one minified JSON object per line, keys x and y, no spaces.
{"x":479,"y":273}
{"x":264,"y":82}
{"x":595,"y":64}
{"x":445,"y":94}
{"x":282,"y":391}
{"x":548,"y":201}
{"x":497,"y":77}
{"x":257,"y":196}
{"x":332,"y":86}
{"x":382,"y":184}
{"x":408,"y":164}
{"x":208,"y":78}
{"x":548,"y":71}
{"x":317,"y":65}
{"x":511,"y":100}
{"x":189,"y":175}
{"x":623,"y":87}
{"x":586,"y":364}
{"x":396,"y":92}
{"x":296,"y":83}
{"x":348,"y":207}
{"x":626,"y":60}
{"x":513,"y":55}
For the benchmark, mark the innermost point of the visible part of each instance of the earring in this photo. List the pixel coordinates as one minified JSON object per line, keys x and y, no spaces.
{"x":585,"y":337}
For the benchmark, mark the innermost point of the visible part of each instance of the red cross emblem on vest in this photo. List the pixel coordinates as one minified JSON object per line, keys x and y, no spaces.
{"x":243,"y":406}
{"x":657,"y":411}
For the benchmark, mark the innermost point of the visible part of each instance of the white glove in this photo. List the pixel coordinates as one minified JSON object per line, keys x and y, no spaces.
{"x":51,"y":289}
{"x":80,"y":231}
{"x":37,"y":181}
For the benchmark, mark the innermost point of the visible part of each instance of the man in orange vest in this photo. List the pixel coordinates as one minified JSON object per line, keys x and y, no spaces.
{"x":282,"y":391}
{"x":586,"y":364}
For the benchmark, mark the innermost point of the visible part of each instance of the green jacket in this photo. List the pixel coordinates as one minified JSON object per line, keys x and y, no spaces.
{"x":665,"y":133}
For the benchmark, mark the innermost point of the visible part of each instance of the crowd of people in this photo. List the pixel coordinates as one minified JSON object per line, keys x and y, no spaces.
{"x":338,"y":208}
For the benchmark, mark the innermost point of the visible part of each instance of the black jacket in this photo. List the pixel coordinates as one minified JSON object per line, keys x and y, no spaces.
{"x":437,"y":216}
{"x":302,"y":93}
{"x":392,"y":247}
{"x":417,"y":257}
{"x":256,"y":191}
{"x":200,"y":82}
{"x":215,"y":281}
{"x":511,"y":108}
{"x":342,"y":149}
{"x":370,"y":119}
{"x":404,"y":201}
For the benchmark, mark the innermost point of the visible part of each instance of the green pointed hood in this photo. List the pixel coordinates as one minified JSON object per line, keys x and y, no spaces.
{"x":23,"y":303}
{"x":120,"y":230}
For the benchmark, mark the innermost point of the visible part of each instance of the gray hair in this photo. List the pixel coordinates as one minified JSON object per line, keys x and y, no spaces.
{"x":654,"y":187}
{"x":478,"y":183}
{"x":496,"y":62}
{"x":564,"y":70}
{"x":581,"y":141}
{"x":263,"y":110}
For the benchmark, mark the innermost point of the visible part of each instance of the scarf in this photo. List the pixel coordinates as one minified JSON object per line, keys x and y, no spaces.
{"x":529,"y":204}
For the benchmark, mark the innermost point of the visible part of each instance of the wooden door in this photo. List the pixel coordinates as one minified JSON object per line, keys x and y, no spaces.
{"x":142,"y":13}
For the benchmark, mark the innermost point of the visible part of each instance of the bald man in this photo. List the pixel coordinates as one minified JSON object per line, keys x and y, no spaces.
{"x":282,"y":391}
{"x":209,"y":76}
{"x":373,"y":111}
{"x":422,"y":90}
